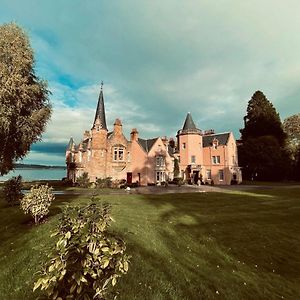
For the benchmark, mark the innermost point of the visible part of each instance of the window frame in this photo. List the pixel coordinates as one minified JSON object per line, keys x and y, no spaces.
{"x":221,"y":178}
{"x":118,"y":153}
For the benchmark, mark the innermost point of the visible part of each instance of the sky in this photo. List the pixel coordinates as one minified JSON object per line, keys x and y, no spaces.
{"x":158,"y":60}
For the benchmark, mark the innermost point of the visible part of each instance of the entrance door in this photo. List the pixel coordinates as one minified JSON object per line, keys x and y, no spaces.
{"x":129,"y":178}
{"x":196,"y":176}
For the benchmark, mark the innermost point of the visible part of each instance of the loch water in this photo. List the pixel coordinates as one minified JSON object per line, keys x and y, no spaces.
{"x":31,"y":174}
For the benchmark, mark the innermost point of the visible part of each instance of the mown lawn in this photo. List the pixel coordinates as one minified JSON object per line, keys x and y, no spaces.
{"x":234,"y":245}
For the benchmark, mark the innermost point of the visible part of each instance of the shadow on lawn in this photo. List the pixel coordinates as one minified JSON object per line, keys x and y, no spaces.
{"x":14,"y":223}
{"x":232,"y":231}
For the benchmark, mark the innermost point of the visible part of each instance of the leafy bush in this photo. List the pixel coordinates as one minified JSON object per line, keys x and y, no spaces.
{"x":104,"y":182}
{"x":12,"y":190}
{"x":37,"y":202}
{"x":87,"y":259}
{"x":83,"y":180}
{"x":67,"y":182}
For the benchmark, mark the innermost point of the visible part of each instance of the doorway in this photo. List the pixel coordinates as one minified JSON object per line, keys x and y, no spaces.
{"x":129,"y":178}
{"x":195,"y":177}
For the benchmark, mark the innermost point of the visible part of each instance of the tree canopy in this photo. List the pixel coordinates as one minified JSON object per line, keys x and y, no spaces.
{"x":262,"y":154}
{"x":262,"y":119}
{"x":24,"y":98}
{"x":291,"y":126}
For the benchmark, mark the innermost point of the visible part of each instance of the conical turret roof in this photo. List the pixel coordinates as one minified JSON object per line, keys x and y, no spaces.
{"x":189,"y":126}
{"x":189,"y":123}
{"x":100,"y":112}
{"x":70,"y":144}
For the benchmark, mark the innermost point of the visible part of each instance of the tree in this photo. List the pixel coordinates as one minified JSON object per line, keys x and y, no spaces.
{"x":262,"y":153}
{"x":262,"y":119}
{"x":176,"y":168}
{"x":12,"y":190}
{"x":24,"y":102}
{"x":262,"y":158}
{"x":291,"y":127}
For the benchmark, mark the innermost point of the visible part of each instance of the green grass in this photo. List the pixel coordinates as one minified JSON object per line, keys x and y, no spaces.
{"x":239,"y":245}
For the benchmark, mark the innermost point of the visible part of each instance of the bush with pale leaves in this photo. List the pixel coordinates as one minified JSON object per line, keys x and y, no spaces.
{"x":87,"y":260}
{"x":37,"y":202}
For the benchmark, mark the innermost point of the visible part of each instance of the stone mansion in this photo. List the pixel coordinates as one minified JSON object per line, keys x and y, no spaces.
{"x":201,"y":155}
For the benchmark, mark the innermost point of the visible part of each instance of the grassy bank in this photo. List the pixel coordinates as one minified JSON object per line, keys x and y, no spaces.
{"x":243,"y":245}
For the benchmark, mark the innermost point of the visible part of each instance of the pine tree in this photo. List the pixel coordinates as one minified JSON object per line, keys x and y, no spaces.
{"x":262,"y":119}
{"x":262,"y":154}
{"x":24,"y":103}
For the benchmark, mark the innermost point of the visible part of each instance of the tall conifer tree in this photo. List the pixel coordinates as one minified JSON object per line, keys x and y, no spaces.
{"x":262,"y":119}
{"x":262,"y":154}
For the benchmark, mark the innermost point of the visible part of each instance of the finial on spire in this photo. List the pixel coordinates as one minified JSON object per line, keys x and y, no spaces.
{"x":101,"y":85}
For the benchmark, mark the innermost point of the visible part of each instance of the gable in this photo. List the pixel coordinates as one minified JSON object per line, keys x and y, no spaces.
{"x":147,"y":144}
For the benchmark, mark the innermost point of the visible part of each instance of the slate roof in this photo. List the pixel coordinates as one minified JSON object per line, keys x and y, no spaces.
{"x":189,"y":123}
{"x":147,"y":144}
{"x":189,"y":126}
{"x":221,"y":137}
{"x":70,"y":144}
{"x":100,"y":112}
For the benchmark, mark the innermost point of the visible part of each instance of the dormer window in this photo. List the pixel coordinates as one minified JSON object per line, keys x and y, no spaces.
{"x":215,"y":143}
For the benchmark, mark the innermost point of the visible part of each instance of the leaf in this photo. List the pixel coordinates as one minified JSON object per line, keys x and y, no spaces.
{"x":68,"y":235}
{"x":105,"y":263}
{"x":73,"y":287}
{"x":114,"y":281}
{"x":79,"y":289}
{"x":37,"y":284}
{"x":51,"y":268}
{"x":126,"y":266}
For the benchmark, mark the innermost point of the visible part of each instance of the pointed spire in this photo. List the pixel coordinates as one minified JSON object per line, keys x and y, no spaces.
{"x":100,"y":112}
{"x":189,"y":125}
{"x":70,"y":144}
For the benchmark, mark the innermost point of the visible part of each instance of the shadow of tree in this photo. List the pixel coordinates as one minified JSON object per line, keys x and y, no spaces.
{"x":211,"y":245}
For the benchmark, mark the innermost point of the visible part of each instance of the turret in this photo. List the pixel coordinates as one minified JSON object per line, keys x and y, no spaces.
{"x":99,"y":128}
{"x":100,"y":120}
{"x":190,"y":147}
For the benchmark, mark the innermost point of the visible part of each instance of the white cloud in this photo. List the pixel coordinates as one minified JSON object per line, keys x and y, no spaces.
{"x":161,"y":59}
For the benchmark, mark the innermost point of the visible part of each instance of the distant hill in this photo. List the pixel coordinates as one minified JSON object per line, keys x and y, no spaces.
{"x":32,"y":166}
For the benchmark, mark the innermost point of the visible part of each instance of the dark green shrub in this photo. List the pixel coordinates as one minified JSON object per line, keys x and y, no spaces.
{"x":83,"y":180}
{"x":12,"y":190}
{"x":87,"y":259}
{"x":37,"y":202}
{"x":66,"y":182}
{"x":104,"y":182}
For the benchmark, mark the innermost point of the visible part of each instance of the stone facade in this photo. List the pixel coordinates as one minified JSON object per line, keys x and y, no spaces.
{"x":202,"y":156}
